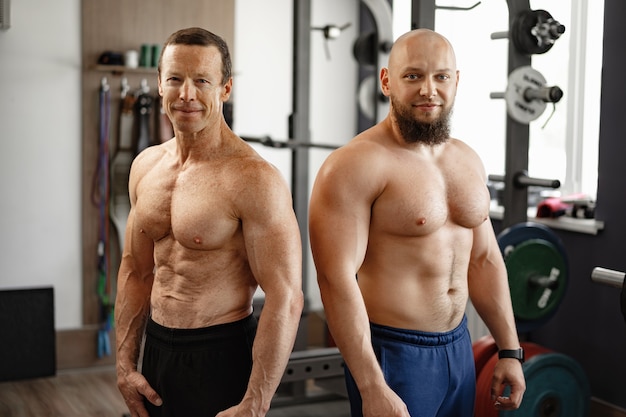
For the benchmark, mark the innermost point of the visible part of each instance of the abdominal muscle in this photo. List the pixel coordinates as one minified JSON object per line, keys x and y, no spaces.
{"x":198,"y":288}
{"x":417,"y":283}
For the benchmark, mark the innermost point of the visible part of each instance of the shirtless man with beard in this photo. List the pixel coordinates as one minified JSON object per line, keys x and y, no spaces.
{"x":401,"y":238}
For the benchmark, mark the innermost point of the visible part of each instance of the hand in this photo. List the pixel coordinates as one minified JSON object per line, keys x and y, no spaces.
{"x":508,"y":372}
{"x":383,"y":402}
{"x":134,"y":388}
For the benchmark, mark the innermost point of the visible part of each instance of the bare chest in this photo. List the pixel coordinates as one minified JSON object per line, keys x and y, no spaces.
{"x":418,"y":201}
{"x":196,"y":210}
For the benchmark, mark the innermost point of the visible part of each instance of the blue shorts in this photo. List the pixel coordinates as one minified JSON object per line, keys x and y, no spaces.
{"x":433,"y":373}
{"x":198,"y":372}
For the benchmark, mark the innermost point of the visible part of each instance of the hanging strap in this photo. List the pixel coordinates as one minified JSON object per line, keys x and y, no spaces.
{"x":166,"y":131}
{"x":120,"y":169}
{"x":100,"y":195}
{"x":144,"y":105}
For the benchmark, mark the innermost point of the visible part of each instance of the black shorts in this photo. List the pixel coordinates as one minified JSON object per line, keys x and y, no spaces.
{"x":198,"y":372}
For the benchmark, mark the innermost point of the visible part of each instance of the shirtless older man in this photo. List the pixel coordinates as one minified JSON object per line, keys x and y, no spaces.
{"x":401,"y":237}
{"x":210,"y":221}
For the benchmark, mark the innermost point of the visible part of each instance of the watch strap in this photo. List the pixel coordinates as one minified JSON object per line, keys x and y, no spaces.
{"x":512,"y":354}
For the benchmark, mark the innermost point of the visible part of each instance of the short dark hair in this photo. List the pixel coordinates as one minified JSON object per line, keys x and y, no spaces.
{"x":202,"y":37}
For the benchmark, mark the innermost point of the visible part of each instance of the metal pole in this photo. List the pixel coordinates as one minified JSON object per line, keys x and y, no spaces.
{"x":299,"y":131}
{"x":423,"y":14}
{"x":515,"y":198}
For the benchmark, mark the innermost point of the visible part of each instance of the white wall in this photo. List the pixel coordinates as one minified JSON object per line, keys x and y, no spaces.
{"x":263,"y":83}
{"x":40,"y":118}
{"x":40,"y":153}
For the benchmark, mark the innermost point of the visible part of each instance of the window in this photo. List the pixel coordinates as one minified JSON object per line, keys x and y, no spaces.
{"x":563,"y":144}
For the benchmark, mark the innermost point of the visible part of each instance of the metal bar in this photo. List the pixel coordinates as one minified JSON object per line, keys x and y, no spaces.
{"x":299,"y":129}
{"x":523,"y":180}
{"x":457,"y":8}
{"x":423,"y":14}
{"x":515,"y":199}
{"x":287,"y":144}
{"x":315,"y":363}
{"x":608,"y":277}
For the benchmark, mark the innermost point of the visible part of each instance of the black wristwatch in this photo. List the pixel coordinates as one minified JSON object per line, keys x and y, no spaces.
{"x":512,"y":353}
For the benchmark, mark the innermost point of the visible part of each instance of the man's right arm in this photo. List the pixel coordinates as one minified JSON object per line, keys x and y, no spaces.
{"x":339,"y":217}
{"x":132,"y":307}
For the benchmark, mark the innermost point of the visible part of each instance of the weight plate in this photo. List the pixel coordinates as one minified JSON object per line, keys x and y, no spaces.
{"x":556,"y":386}
{"x":513,"y":236}
{"x":537,"y":279}
{"x":484,"y":404}
{"x":520,"y":109}
{"x":522,"y":35}
{"x":520,"y":232}
{"x":533,"y":349}
{"x":484,"y":348}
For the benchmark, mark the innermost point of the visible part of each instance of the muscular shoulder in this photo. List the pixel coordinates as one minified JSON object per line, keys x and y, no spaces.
{"x":145,"y":161}
{"x":358,"y":162}
{"x":149,"y":156}
{"x":460,"y":151}
{"x":257,"y":183}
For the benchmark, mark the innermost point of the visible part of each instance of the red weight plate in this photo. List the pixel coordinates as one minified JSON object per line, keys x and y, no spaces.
{"x":483,"y":348}
{"x":484,"y":406}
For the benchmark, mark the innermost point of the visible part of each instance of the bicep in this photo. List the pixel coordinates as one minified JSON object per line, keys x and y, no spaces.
{"x":138,"y":253}
{"x":271,"y":236}
{"x":486,"y":263}
{"x":339,"y":218}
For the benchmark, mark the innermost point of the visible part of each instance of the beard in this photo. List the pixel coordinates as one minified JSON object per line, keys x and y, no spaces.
{"x":414,"y":131}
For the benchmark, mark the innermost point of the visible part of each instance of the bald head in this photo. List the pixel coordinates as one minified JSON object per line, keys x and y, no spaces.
{"x":422,"y":46}
{"x":421,"y":81}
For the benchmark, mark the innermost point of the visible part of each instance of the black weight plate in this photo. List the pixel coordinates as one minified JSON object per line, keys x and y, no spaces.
{"x":521,"y":34}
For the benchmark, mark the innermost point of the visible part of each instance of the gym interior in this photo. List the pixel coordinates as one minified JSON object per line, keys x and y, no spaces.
{"x":539,"y":99}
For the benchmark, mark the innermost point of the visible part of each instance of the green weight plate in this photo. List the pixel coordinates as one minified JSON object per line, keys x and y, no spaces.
{"x":529,"y":263}
{"x":556,"y":386}
{"x":520,"y":232}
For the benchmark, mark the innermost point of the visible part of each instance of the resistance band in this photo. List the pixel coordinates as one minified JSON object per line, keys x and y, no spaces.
{"x":100,"y":197}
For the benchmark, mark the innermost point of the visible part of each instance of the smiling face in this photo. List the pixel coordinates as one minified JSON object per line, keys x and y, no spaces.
{"x":421,"y":82}
{"x":190,"y":82}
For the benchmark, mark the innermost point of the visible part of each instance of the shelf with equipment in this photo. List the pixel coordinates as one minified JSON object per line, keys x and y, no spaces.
{"x":121,"y":69}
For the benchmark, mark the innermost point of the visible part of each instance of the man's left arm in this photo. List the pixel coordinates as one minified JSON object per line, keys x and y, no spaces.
{"x":490,"y":295}
{"x":274,"y":249}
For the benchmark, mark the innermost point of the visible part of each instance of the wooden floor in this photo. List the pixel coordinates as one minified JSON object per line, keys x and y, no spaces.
{"x":69,"y":394}
{"x":93,"y":393}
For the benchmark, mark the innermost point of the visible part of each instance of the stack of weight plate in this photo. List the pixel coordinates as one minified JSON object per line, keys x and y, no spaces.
{"x":556,"y":385}
{"x":538,"y":270}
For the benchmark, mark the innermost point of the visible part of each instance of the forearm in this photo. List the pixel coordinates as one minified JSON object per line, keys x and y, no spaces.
{"x":352,"y":336}
{"x":493,"y":305}
{"x":273,"y":344}
{"x":132,"y":307}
